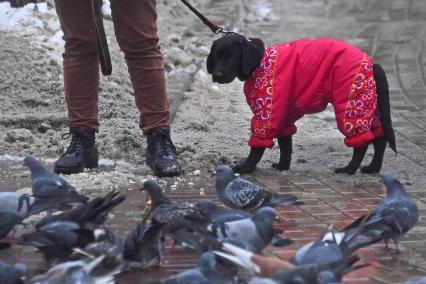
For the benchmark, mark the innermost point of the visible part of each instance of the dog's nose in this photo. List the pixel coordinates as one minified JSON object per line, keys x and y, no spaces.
{"x":218,"y":76}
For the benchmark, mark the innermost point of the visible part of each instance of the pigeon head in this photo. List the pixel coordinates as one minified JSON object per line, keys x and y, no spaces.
{"x":154,"y":190}
{"x":32,"y":163}
{"x":265,"y":214}
{"x":391,"y":183}
{"x":224,"y":173}
{"x":21,"y":268}
{"x":207,"y":262}
{"x":327,"y":277}
{"x":206,"y":207}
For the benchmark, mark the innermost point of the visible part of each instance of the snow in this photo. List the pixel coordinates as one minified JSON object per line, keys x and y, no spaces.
{"x":37,"y":22}
{"x":14,"y":17}
{"x":106,"y":9}
{"x":263,"y":9}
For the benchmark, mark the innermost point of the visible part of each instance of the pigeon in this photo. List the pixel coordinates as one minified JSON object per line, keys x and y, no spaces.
{"x":8,"y":221}
{"x":91,"y":214}
{"x":16,"y":202}
{"x":145,"y":244}
{"x":421,"y":280}
{"x":207,"y":272}
{"x":313,"y":273}
{"x":12,"y":274}
{"x":333,"y":246}
{"x":57,"y":235}
{"x":107,"y":244}
{"x":253,"y":233}
{"x":174,"y":215}
{"x":239,"y":193}
{"x":395,"y":214}
{"x":72,"y":272}
{"x":57,"y":239}
{"x":50,"y":190}
{"x":321,"y":252}
{"x":255,"y":264}
{"x":218,"y":216}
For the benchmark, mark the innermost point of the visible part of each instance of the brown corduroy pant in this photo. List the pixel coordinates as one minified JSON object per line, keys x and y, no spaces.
{"x":136,"y":33}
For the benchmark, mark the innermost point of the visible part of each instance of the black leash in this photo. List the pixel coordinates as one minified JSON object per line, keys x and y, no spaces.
{"x":213,"y":27}
{"x":104,"y":57}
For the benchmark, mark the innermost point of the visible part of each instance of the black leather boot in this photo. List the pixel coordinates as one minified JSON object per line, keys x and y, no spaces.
{"x":161,"y":153}
{"x":81,"y":153}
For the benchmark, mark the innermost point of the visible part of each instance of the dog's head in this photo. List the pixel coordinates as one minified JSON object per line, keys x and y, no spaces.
{"x":234,"y":56}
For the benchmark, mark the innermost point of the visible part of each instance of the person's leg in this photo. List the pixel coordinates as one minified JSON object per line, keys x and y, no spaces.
{"x":81,"y":81}
{"x":136,"y":32}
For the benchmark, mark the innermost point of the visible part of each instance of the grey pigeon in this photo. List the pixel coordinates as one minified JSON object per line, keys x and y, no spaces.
{"x":16,"y":202}
{"x":57,"y":235}
{"x":145,"y":244}
{"x":13,"y":210}
{"x":218,"y":216}
{"x":333,"y":246}
{"x":253,"y":233}
{"x":239,"y":193}
{"x":72,"y":272}
{"x":12,"y":274}
{"x":395,"y":214}
{"x":174,"y":215}
{"x":421,"y":280}
{"x":92,"y":214}
{"x":50,"y":189}
{"x":58,"y":239}
{"x":207,"y":272}
{"x":107,"y":244}
{"x":8,"y":221}
{"x":321,"y":252}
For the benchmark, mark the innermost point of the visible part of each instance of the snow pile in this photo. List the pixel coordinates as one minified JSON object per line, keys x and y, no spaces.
{"x":38,"y":22}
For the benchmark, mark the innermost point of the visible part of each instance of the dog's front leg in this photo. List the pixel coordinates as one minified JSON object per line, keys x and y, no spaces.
{"x":250,"y":163}
{"x":286,"y":149}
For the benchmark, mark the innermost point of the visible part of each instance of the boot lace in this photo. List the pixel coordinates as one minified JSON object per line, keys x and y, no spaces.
{"x":75,"y":145}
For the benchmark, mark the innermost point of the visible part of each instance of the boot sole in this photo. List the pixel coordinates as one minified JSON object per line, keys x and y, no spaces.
{"x":159,"y":173}
{"x":76,"y":170}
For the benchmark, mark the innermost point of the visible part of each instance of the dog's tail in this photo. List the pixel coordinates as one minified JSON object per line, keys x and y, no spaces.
{"x":384,"y":104}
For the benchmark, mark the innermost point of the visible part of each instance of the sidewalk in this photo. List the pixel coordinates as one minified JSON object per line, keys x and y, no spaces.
{"x":394,"y":32}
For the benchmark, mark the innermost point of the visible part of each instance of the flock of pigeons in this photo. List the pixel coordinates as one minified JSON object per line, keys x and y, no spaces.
{"x":78,"y":248}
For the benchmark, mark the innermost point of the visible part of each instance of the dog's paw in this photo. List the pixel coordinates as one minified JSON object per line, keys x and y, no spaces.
{"x":370,"y":170}
{"x":281,"y":167}
{"x":345,"y":170}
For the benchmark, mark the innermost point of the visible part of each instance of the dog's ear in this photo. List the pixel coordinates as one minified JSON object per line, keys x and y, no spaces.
{"x":210,"y":58}
{"x":252,"y":54}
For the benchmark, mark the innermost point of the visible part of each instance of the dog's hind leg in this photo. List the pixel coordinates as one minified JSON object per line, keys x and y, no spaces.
{"x":357,"y":157}
{"x":286,"y":149}
{"x":379,"y":152}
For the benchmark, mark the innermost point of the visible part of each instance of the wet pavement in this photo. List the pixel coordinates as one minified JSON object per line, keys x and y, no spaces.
{"x":326,"y":203}
{"x":391,"y":30}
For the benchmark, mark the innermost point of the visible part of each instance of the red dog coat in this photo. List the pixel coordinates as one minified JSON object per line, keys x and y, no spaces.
{"x":302,"y":77}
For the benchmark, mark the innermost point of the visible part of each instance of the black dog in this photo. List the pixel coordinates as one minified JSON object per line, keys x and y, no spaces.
{"x":235,"y":56}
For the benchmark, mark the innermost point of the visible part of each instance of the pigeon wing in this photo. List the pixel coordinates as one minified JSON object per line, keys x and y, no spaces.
{"x":400,"y":215}
{"x":50,"y":186}
{"x":246,"y":195}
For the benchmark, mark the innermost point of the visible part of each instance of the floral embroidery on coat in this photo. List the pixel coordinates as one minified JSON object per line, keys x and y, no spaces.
{"x":260,"y":94}
{"x":361,"y":109}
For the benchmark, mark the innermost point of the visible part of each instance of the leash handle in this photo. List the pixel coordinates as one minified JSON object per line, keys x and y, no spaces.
{"x":214,"y":28}
{"x":104,"y":56}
